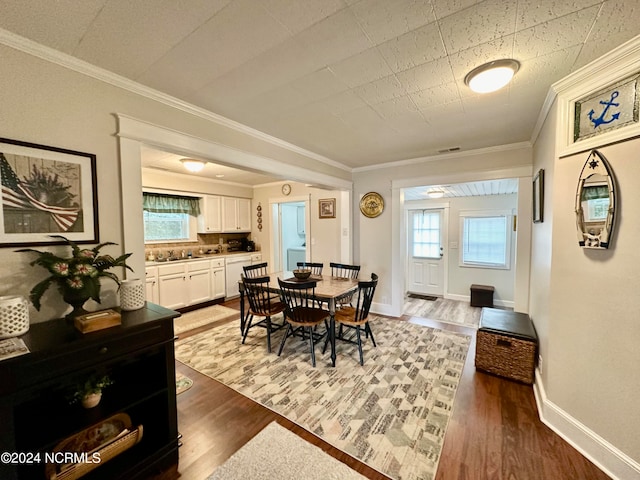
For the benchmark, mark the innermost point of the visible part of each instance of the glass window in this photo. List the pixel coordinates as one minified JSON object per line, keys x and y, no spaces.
{"x":166,"y":227}
{"x":426,"y":234}
{"x":486,"y":241}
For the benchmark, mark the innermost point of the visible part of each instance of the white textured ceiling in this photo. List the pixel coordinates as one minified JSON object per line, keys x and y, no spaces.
{"x":358,"y":81}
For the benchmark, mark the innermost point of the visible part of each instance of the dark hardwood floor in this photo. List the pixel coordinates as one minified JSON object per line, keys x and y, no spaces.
{"x":494,"y":432}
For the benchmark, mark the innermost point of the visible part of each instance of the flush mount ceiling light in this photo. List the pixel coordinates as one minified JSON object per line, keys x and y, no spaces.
{"x":435,"y":193}
{"x":192,"y":165}
{"x":491,"y":76}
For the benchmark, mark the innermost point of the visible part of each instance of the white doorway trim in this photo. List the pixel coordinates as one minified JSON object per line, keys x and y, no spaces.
{"x":272,"y":229}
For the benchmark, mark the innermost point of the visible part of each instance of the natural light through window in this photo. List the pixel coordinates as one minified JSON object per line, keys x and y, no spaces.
{"x":166,"y":227}
{"x":486,"y":240}
{"x":426,"y":234}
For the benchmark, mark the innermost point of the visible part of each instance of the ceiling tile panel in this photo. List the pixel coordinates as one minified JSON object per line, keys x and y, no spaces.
{"x":334,"y":38}
{"x":535,"y":12}
{"x":558,"y":34}
{"x":298,"y":16}
{"x":361,"y":68}
{"x":380,"y":90}
{"x":239,"y":32}
{"x":427,"y":75}
{"x":480,"y":23}
{"x":617,"y":23}
{"x":444,"y":8}
{"x":444,"y":94}
{"x":59,"y":25}
{"x":343,"y":102}
{"x":383,"y":20}
{"x":124,"y":36}
{"x":414,"y":48}
{"x":317,"y":85}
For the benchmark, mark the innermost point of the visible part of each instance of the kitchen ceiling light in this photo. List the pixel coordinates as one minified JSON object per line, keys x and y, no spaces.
{"x":491,"y":76}
{"x":435,"y":193}
{"x":192,"y":165}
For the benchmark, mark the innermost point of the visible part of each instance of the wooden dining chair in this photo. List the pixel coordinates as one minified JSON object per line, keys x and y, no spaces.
{"x":301,"y":314}
{"x":256,"y":270}
{"x":357,"y":318}
{"x":342,"y":270}
{"x":316,"y":268}
{"x":261,"y":304}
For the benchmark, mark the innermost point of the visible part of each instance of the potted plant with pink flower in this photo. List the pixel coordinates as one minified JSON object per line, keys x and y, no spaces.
{"x":77,"y":276}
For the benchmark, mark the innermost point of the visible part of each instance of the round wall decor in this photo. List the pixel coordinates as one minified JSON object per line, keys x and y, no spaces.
{"x":371,"y":204}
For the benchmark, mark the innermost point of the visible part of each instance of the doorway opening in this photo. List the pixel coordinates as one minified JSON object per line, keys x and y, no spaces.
{"x":289,"y":234}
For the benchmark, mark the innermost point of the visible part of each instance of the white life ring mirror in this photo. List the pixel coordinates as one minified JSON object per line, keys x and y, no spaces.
{"x":595,"y":203}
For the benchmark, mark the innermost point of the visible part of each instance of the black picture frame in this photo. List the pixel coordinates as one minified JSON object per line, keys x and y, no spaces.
{"x":538,"y":197}
{"x":47,"y":191}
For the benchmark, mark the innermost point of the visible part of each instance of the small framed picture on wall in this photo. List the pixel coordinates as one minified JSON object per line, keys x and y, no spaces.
{"x":327,"y":208}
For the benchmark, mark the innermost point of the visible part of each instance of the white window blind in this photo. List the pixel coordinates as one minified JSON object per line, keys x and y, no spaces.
{"x":486,"y":240}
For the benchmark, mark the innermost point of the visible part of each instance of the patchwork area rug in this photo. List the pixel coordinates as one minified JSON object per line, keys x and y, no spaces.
{"x":200,"y":317}
{"x":391,"y":413}
{"x":444,"y":310}
{"x":183,"y":383}
{"x":277,"y":453}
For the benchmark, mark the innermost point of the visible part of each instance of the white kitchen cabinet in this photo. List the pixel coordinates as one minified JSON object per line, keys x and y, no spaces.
{"x":182,"y":284}
{"x":172,"y":285}
{"x":218,"y":284}
{"x":198,"y":275}
{"x":151,"y":278}
{"x":236,"y":214}
{"x":210,"y":218}
{"x":256,"y":258}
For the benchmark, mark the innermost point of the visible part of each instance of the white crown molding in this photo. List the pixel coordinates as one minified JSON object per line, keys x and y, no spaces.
{"x":30,"y":47}
{"x":604,"y":455}
{"x":445,"y":156}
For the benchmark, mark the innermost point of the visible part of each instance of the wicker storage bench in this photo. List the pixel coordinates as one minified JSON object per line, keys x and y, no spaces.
{"x":482,"y":295}
{"x":506,"y":344}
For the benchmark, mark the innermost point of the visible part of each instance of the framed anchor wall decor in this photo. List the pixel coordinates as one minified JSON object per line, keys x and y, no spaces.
{"x":611,"y":108}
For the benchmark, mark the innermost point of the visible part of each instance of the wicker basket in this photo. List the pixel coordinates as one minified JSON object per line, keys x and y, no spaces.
{"x":107,"y":450}
{"x":506,"y":356}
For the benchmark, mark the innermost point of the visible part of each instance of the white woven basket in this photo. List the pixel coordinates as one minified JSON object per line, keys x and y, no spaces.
{"x":14,"y":316}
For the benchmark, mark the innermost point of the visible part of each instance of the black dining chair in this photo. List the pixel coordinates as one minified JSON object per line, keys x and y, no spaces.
{"x":343,"y":270}
{"x":256,"y":270}
{"x":357,"y":318}
{"x":316,"y":268}
{"x":261,"y":304}
{"x":301,"y":314}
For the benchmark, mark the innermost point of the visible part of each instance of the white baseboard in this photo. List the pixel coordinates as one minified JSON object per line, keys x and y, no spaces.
{"x":605,"y":456}
{"x":382,"y":309}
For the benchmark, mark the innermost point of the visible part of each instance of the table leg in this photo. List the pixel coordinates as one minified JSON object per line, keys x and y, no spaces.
{"x":332,"y":330}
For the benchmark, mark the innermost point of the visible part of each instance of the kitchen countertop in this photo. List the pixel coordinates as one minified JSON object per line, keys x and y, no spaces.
{"x":205,"y":256}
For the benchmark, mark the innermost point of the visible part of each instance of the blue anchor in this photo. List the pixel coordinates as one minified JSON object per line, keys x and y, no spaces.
{"x":600,"y":120}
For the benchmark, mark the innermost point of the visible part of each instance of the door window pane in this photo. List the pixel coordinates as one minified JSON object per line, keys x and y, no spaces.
{"x":426,"y":234}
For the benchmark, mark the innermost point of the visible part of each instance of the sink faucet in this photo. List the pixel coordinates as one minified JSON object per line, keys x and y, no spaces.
{"x":170,"y":253}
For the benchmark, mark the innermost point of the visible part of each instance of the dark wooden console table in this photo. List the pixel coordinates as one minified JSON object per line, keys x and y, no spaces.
{"x":35,"y":412}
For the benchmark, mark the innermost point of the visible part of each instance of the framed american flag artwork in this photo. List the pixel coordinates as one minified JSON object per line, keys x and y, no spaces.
{"x":47,"y":191}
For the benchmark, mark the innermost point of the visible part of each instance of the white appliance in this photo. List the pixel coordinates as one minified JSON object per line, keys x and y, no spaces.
{"x":234,"y":266}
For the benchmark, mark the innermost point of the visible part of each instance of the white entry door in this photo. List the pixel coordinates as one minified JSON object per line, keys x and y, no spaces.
{"x":426,"y":251}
